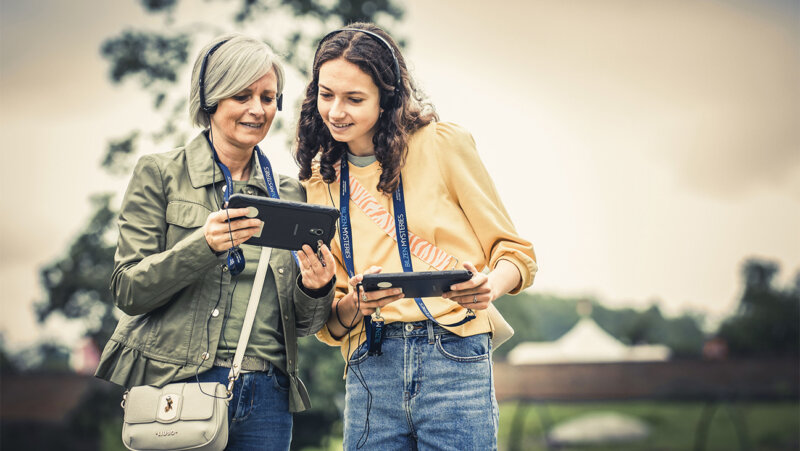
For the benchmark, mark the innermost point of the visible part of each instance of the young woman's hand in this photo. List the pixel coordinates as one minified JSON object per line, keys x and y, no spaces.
{"x":347,"y":312}
{"x":222,"y":235}
{"x":481,"y":290}
{"x":314,"y":275}
{"x":368,"y":301}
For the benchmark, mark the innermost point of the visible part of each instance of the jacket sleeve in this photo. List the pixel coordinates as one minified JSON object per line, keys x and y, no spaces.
{"x":469,"y":183}
{"x":146,"y":274}
{"x":311,"y":313}
{"x":311,"y":307}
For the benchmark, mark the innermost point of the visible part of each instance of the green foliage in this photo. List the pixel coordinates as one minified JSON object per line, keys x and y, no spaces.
{"x":770,"y":426}
{"x":47,"y":356}
{"x":543,"y":317}
{"x":119,"y":155}
{"x":767,"y":322}
{"x":159,"y":5}
{"x":152,"y":56}
{"x":77,"y":284}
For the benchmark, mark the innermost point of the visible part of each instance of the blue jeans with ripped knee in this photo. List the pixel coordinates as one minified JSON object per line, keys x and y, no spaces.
{"x":430,"y":390}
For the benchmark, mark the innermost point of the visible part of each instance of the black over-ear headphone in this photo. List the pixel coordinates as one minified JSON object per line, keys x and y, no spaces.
{"x":392,"y":99}
{"x":211,"y":109}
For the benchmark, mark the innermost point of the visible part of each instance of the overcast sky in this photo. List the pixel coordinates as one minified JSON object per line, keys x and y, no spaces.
{"x":645,"y":147}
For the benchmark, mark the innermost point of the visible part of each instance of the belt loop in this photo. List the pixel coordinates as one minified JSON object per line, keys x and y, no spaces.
{"x":430,"y":332}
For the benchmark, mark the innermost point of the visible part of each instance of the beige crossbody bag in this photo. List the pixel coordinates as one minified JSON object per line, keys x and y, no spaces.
{"x":189,"y":415}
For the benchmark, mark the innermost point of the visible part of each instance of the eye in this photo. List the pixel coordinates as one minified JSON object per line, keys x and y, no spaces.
{"x":326,"y":95}
{"x":356,"y":100}
{"x":267,"y":99}
{"x":240,"y":97}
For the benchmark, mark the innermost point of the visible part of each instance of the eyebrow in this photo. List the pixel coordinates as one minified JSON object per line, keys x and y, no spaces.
{"x":250,"y":91}
{"x":348,"y":92}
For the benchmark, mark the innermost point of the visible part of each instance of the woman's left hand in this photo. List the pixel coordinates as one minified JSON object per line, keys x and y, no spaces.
{"x":476,"y":293}
{"x":481,"y":290}
{"x":314,"y":275}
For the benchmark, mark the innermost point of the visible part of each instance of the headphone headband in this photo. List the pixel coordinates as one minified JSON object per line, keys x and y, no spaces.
{"x":398,"y":82}
{"x":211,"y":109}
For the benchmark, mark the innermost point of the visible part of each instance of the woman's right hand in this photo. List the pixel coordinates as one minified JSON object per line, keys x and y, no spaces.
{"x":369,"y":301}
{"x":350,"y":308}
{"x":218,"y":231}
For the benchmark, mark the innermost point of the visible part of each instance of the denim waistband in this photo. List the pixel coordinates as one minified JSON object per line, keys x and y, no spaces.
{"x":414,"y":329}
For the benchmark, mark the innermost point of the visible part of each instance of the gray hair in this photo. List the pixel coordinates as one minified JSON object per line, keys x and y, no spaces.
{"x":231,"y":68}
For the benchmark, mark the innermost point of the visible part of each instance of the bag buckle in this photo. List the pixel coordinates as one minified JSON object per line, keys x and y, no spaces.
{"x":229,"y":389}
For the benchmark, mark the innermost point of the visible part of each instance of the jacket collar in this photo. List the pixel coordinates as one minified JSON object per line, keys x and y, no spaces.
{"x":201,"y":166}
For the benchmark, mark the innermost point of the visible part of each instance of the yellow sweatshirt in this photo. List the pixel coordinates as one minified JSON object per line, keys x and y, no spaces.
{"x":450,"y":202}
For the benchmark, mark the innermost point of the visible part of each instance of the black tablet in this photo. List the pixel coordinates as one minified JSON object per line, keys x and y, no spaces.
{"x":288,"y":225}
{"x":422,"y":284}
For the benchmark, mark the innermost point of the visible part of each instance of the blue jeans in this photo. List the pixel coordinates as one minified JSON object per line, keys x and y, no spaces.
{"x":430,"y":390}
{"x":258,"y":414}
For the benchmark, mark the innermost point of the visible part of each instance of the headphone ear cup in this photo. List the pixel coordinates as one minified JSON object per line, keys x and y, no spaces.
{"x":398,"y":99}
{"x":280,"y":102}
{"x":209,"y":109}
{"x":390,"y":101}
{"x":387,"y":102}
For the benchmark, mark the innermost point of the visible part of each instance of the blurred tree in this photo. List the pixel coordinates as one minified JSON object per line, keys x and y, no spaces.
{"x":77,"y":284}
{"x":767,"y":322}
{"x":542,"y":317}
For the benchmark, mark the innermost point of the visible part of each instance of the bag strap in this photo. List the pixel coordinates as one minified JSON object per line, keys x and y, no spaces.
{"x":421,"y":248}
{"x":249,"y":317}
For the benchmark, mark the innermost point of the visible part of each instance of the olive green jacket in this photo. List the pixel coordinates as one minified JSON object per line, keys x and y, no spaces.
{"x":167,"y":280}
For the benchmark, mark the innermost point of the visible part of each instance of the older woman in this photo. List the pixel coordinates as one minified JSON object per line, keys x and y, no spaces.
{"x":178,"y":271}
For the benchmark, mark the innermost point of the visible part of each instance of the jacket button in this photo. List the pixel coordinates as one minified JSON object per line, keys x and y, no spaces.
{"x":205,"y":356}
{"x":290,"y":361}
{"x":224,"y":268}
{"x":215,"y":313}
{"x":286,"y":317}
{"x":280,"y":270}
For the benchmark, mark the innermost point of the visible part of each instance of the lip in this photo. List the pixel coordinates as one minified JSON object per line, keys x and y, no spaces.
{"x":340,"y":127}
{"x":252,"y":125}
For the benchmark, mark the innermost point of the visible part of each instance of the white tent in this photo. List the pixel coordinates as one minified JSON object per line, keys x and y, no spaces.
{"x":586,"y":342}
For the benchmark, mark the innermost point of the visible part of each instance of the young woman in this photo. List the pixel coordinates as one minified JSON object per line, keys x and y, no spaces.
{"x":183,"y":300}
{"x":431,"y":388}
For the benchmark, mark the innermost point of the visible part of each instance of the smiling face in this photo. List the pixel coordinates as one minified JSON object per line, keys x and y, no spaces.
{"x":349,"y":103}
{"x":242,"y":120}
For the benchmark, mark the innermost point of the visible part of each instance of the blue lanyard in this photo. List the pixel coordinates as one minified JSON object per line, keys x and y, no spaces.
{"x":401,"y":230}
{"x":235,"y":258}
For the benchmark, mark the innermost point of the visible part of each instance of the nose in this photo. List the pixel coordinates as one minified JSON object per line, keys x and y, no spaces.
{"x":255,"y":107}
{"x":337,"y":110}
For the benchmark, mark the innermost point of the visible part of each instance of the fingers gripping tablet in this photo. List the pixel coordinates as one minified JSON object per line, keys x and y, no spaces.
{"x":288,"y":225}
{"x":417,"y":284}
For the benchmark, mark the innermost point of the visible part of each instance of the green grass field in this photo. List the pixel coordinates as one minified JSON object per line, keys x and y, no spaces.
{"x":769,"y":426}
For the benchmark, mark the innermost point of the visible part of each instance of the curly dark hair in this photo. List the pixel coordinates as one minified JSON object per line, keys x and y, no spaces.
{"x":400,"y":118}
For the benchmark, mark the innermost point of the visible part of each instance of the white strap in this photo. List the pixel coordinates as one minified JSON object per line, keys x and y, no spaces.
{"x":252,"y":306}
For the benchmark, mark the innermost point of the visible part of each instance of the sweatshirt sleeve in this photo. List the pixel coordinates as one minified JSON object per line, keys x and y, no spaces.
{"x":469,"y":183}
{"x":146,"y":274}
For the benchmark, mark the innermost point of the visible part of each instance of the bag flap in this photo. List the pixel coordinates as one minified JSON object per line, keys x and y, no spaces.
{"x":199,"y":400}
{"x":186,"y":401}
{"x":141,"y":404}
{"x":186,"y":214}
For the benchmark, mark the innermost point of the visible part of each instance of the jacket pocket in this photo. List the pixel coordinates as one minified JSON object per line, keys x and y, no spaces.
{"x":183,"y":217}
